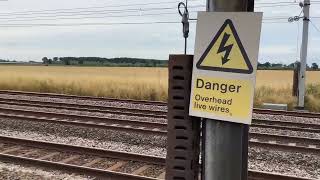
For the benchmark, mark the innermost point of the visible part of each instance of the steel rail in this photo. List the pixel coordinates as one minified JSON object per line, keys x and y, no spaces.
{"x":72,"y":168}
{"x":96,"y":119}
{"x":132,"y":125}
{"x":81,"y":123}
{"x":122,"y":124}
{"x":286,"y":125}
{"x":287,"y":113}
{"x":304,"y":140}
{"x":158,"y":103}
{"x":20,"y":159}
{"x":260,"y":175}
{"x":275,"y":124}
{"x":83,"y":169}
{"x":54,"y":95}
{"x":258,"y":139}
{"x":87,"y":107}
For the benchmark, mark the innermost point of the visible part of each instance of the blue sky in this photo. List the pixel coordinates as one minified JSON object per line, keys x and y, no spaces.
{"x":280,"y":40}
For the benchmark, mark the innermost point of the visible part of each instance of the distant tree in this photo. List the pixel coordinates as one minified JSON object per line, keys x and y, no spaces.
{"x":45,"y":60}
{"x":65,"y":60}
{"x":49,"y":61}
{"x":55,"y":59}
{"x":81,"y":61}
{"x":291,"y":66}
{"x":277,"y":65}
{"x":314,"y":66}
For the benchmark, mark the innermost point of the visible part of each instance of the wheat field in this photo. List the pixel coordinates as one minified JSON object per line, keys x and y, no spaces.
{"x":140,"y":83}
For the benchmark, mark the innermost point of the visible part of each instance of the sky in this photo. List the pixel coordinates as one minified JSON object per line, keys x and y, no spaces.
{"x":30,"y":30}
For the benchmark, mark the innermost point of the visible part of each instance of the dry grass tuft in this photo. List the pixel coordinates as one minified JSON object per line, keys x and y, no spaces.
{"x":266,"y":94}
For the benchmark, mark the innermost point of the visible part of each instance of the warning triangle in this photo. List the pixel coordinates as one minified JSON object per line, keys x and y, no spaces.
{"x":226,"y":52}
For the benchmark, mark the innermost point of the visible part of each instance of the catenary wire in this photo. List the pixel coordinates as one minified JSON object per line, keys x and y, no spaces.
{"x":315,"y":27}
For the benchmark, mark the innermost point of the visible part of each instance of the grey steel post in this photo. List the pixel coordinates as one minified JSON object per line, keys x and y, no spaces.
{"x":304,"y":53}
{"x":225,"y":144}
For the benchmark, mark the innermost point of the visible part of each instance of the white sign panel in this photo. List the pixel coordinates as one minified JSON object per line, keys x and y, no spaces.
{"x":225,"y":64}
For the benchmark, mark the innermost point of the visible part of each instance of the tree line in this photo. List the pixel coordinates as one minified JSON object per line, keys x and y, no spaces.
{"x":98,"y":61}
{"x":137,"y":62}
{"x":280,"y":66}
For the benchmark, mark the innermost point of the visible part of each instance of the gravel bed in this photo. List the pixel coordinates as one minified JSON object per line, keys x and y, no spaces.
{"x":69,"y":131}
{"x":130,"y":166}
{"x":96,"y":138}
{"x":290,"y":163}
{"x":293,"y":164}
{"x":17,"y":172}
{"x":149,"y":107}
{"x":83,"y":159}
{"x":105,"y":163}
{"x":20,"y":151}
{"x":86,"y":113}
{"x":87,"y":102}
{"x":287,"y":118}
{"x":285,"y":132}
{"x":58,"y":157}
{"x":36,"y":154}
{"x":153,"y":171}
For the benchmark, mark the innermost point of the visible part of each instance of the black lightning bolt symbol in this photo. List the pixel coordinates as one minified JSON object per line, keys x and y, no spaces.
{"x":225,"y":48}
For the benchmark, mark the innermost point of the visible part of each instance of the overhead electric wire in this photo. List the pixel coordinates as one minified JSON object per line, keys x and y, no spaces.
{"x":100,"y":24}
{"x":315,"y":27}
{"x":89,"y":24}
{"x":91,"y":9}
{"x":282,"y":5}
{"x":85,"y":8}
{"x":121,"y":16}
{"x":279,"y":5}
{"x":108,"y":13}
{"x":97,"y":17}
{"x":82,"y":13}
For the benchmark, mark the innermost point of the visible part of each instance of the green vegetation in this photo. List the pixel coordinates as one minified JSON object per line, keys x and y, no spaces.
{"x":109,"y":62}
{"x":280,"y":66}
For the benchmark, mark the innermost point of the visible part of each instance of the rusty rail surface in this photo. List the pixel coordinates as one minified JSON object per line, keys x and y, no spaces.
{"x":88,"y":161}
{"x":290,"y":143}
{"x":157,"y":103}
{"x":44,"y":154}
{"x":275,"y":124}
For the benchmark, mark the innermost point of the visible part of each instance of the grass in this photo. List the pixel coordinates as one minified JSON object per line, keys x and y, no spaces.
{"x":141,"y":83}
{"x":133,"y":83}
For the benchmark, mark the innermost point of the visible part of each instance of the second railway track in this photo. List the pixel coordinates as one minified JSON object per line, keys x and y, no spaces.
{"x":96,"y":162}
{"x":275,"y":124}
{"x":126,"y":111}
{"x":294,"y":143}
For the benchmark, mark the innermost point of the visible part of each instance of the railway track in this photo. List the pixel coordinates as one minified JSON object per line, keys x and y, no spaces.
{"x":64,"y":96}
{"x":283,"y":125}
{"x":96,"y":162}
{"x":85,"y":121}
{"x":300,"y":144}
{"x":122,"y":110}
{"x":88,"y":161}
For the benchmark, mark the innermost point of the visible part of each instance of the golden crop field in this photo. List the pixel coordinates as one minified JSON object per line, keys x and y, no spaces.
{"x":139,"y":83}
{"x":283,"y":79}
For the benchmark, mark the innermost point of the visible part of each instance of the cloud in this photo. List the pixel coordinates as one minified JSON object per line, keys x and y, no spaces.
{"x":148,"y":41}
{"x":277,"y":49}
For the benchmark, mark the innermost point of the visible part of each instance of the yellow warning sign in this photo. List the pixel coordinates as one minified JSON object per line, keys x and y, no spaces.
{"x":226,"y":52}
{"x":225,"y":64}
{"x":222,"y":96}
